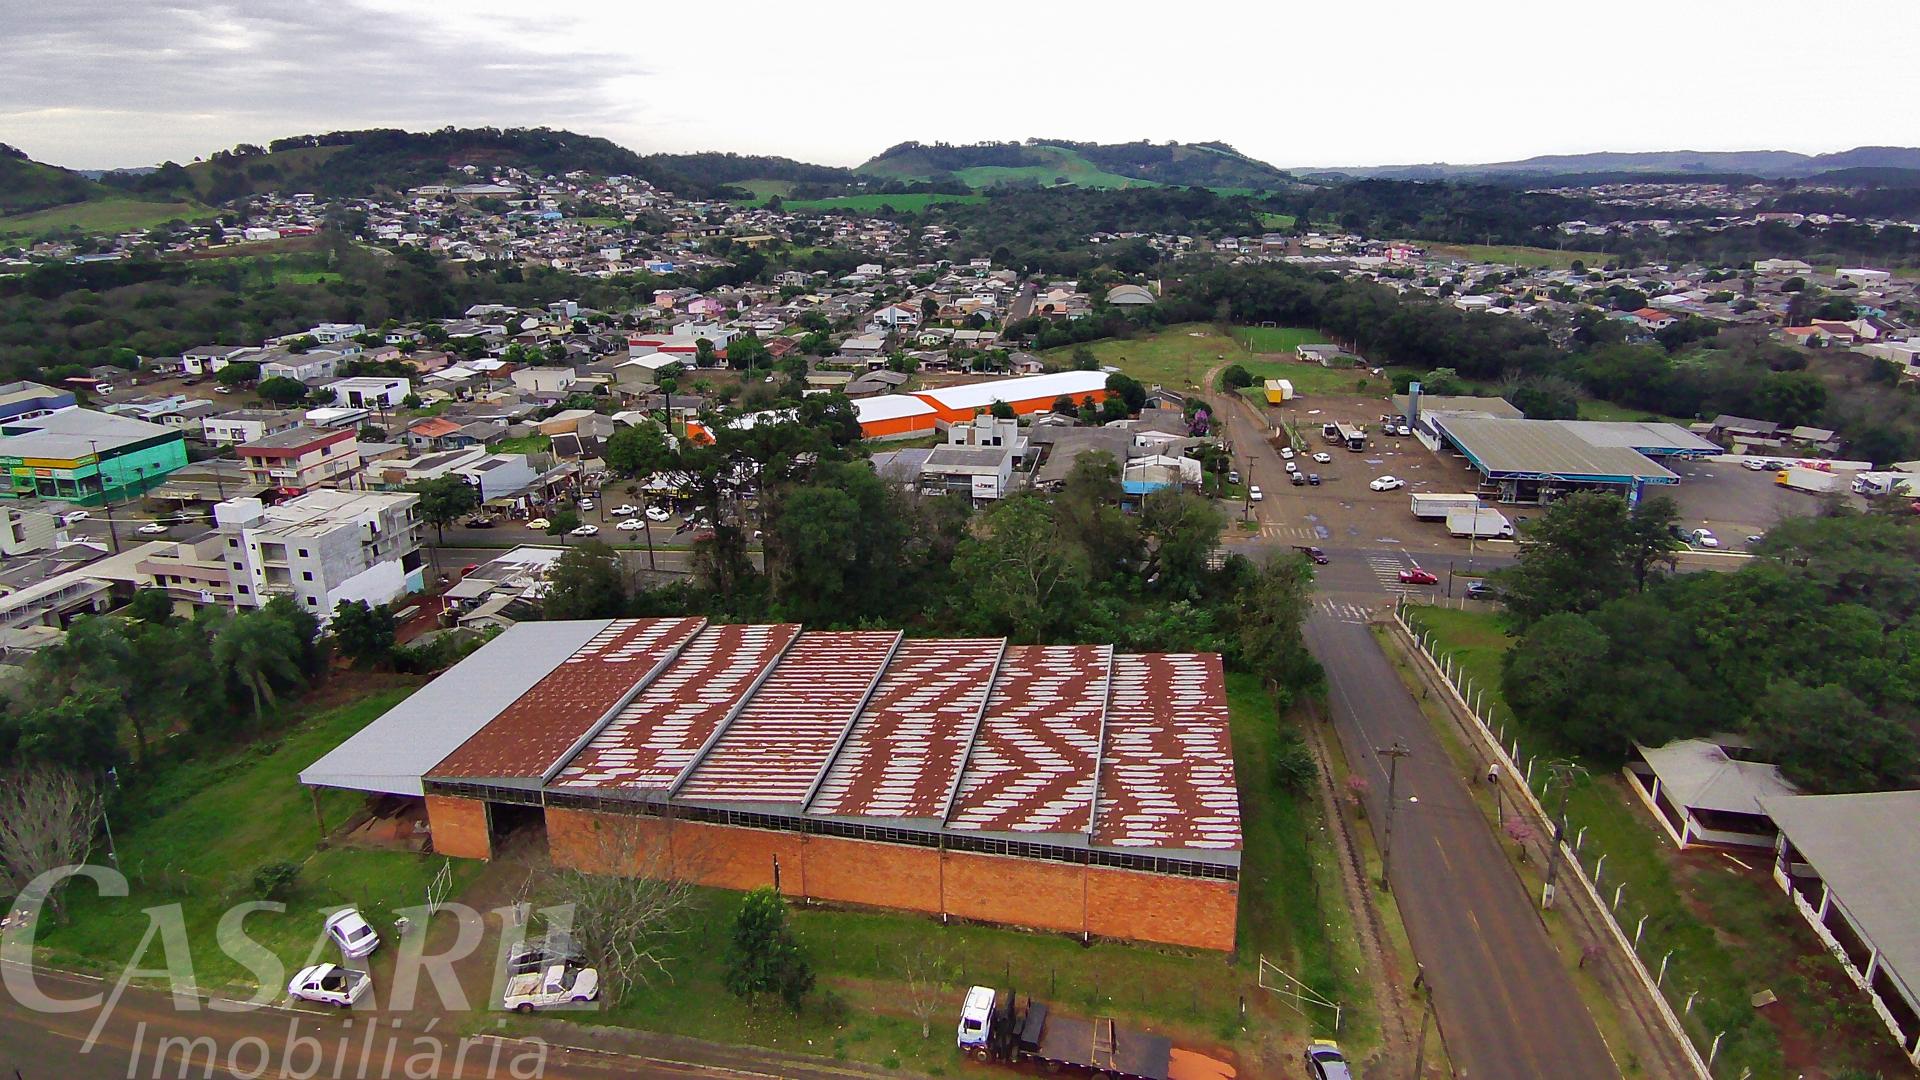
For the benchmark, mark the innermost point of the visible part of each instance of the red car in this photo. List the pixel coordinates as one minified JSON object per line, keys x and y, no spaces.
{"x":1416,"y":576}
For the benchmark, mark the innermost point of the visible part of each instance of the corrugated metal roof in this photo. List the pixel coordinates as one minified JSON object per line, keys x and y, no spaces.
{"x":1865,"y":847}
{"x":538,"y":731}
{"x":1032,"y":765}
{"x":982,"y":394}
{"x":1166,"y":774}
{"x":662,"y":729}
{"x":777,"y":747}
{"x":1544,"y":446}
{"x":391,"y":754}
{"x":904,"y":753}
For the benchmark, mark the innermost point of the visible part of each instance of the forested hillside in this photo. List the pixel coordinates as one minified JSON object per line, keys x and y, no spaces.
{"x":1049,"y":162}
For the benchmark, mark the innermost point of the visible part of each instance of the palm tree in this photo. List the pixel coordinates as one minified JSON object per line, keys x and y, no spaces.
{"x":258,"y":650}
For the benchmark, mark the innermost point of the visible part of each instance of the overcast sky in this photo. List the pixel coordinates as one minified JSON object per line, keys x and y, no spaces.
{"x":102,"y":83}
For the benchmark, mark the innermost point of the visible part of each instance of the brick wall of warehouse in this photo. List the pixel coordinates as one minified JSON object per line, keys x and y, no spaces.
{"x":1034,"y":893}
{"x":460,"y":827}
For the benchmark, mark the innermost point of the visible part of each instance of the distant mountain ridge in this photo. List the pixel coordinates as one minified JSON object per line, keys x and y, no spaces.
{"x":1048,"y":162}
{"x":1767,"y":164}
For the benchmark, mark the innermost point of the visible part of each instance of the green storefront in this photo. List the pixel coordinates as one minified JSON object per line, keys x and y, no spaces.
{"x":65,"y":467}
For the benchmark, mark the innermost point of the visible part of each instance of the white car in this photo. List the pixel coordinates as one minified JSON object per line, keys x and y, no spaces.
{"x":1705,"y":538}
{"x":624,"y":510}
{"x":1292,"y":468}
{"x":586,"y":504}
{"x":77,"y":515}
{"x":1255,"y":494}
{"x":1323,"y":458}
{"x":1286,"y":452}
{"x":658,"y":513}
{"x":1402,"y":429}
{"x":1387,"y":483}
{"x":1755,"y":464}
{"x":350,"y":931}
{"x":632,"y":524}
{"x":561,"y":984}
{"x":330,"y":984}
{"x":586,"y":530}
{"x":151,"y":528}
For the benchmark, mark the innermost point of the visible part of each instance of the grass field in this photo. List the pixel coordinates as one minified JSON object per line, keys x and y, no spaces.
{"x":1550,"y":258}
{"x":906,"y":204}
{"x":1591,"y":409}
{"x":113,"y":214}
{"x":525,"y":444}
{"x":1177,"y":357}
{"x":763,"y":190}
{"x":1278,"y":339}
{"x":1278,"y":221}
{"x":600,"y":222}
{"x":195,"y":836}
{"x":1731,"y":934}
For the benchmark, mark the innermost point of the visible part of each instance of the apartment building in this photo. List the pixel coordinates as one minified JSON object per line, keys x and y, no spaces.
{"x":300,"y":459}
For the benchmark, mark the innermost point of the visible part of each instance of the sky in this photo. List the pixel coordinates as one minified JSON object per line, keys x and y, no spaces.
{"x":107,"y":83}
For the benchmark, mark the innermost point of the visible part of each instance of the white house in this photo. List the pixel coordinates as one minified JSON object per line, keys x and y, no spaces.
{"x":206,"y":359}
{"x":1863,"y":277}
{"x":371,"y":391}
{"x":544,"y":380}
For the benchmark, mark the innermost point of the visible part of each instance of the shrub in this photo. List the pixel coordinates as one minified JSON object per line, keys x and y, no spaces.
{"x":276,"y":880}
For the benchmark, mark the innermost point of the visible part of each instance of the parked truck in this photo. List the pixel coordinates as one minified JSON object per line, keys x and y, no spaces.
{"x":1818,"y":481}
{"x":1484,"y":523}
{"x":1437,"y":507}
{"x":997,"y":1027}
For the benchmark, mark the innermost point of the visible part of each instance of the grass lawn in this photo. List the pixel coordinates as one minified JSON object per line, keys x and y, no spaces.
{"x":535,"y":443}
{"x":1278,"y":221}
{"x":1177,"y":357}
{"x":113,"y":214}
{"x":861,"y":1011}
{"x":1732,"y":934}
{"x":869,"y":203}
{"x":1517,"y":256}
{"x":195,"y":836}
{"x":1278,"y":339}
{"x":1606,"y":410}
{"x":601,"y":222}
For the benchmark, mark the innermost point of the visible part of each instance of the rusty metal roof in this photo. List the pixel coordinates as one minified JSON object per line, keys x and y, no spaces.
{"x":1166,"y":774}
{"x":777,"y":747}
{"x":661,"y":730}
{"x":1033,"y":762}
{"x":537,"y":732}
{"x":904,"y":753}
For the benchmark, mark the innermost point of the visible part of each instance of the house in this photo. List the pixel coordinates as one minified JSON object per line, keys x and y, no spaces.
{"x":1851,"y":864}
{"x":1653,"y":318}
{"x":1820,"y":439}
{"x":1321,"y":353}
{"x":544,"y":380}
{"x":207,"y":359}
{"x":894,"y":317}
{"x":371,"y":391}
{"x":299,"y":459}
{"x":1728,"y":427}
{"x":872,"y":383}
{"x":1782,"y":267}
{"x":495,"y":476}
{"x":427,"y":432}
{"x":1866,"y":279}
{"x":314,"y":365}
{"x":245,"y":425}
{"x":1707,"y":791}
{"x":1836,"y":331}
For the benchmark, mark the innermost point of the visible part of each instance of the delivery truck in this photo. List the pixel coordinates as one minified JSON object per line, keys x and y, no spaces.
{"x":1482,"y":523}
{"x":998,"y":1027}
{"x":1818,"y":481}
{"x":1435,"y":507}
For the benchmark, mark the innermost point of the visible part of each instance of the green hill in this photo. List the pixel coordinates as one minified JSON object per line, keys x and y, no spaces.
{"x":27,"y":185}
{"x":39,"y":201}
{"x":1051,"y":162}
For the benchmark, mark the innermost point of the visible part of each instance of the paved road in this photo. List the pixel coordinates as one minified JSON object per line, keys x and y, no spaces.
{"x":145,"y":1036}
{"x":1505,"y":1003}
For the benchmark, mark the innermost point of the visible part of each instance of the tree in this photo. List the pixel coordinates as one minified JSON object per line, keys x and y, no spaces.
{"x":1826,"y":740}
{"x":703,"y":353}
{"x":259,"y":653}
{"x":928,"y":968}
{"x":1442,"y":381}
{"x":1586,"y":549}
{"x":151,"y":606}
{"x":1235,"y":377}
{"x":238,"y":373}
{"x":443,"y":501}
{"x":282,"y":391}
{"x":562,"y":522}
{"x":1267,"y":613}
{"x":637,"y":451}
{"x":1064,"y":406}
{"x":77,"y":731}
{"x":48,"y":819}
{"x":835,"y":547}
{"x":762,"y":955}
{"x":1129,"y":390}
{"x":1014,"y":578}
{"x":1181,"y":532}
{"x":1084,"y":359}
{"x":1002,"y":411}
{"x":1791,"y":398}
{"x":627,"y":905}
{"x":365,"y":634}
{"x":747,"y":352}
{"x":586,"y":582}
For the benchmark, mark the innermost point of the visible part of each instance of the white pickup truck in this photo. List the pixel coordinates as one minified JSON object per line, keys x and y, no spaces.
{"x":561,"y":984}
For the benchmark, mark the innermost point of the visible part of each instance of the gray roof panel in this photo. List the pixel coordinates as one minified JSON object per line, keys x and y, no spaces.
{"x":1866,"y":849}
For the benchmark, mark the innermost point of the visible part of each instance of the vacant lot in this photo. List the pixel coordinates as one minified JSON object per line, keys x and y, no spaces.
{"x":114,"y":214}
{"x":1552,"y":258}
{"x":1177,"y":357}
{"x":195,"y":836}
{"x":1730,"y":930}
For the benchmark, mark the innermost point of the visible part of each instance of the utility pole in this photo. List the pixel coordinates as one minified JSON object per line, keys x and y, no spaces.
{"x":1393,"y":755}
{"x":1426,"y":1019}
{"x":1563,"y":771}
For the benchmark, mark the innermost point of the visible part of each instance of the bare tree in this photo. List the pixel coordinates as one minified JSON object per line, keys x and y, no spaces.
{"x":928,"y":967}
{"x":48,"y":819}
{"x":627,"y":904}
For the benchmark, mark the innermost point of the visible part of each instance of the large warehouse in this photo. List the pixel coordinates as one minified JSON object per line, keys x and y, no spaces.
{"x":1066,"y":788}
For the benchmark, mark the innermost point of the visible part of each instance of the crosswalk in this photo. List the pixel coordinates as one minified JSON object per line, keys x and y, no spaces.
{"x":1342,"y":611}
{"x":1297,"y":534}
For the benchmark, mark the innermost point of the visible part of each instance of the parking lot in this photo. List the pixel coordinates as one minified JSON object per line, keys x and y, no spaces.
{"x":1734,"y":502}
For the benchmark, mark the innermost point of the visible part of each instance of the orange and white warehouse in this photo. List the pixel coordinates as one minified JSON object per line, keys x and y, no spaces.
{"x":1076,"y":789}
{"x":906,"y":416}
